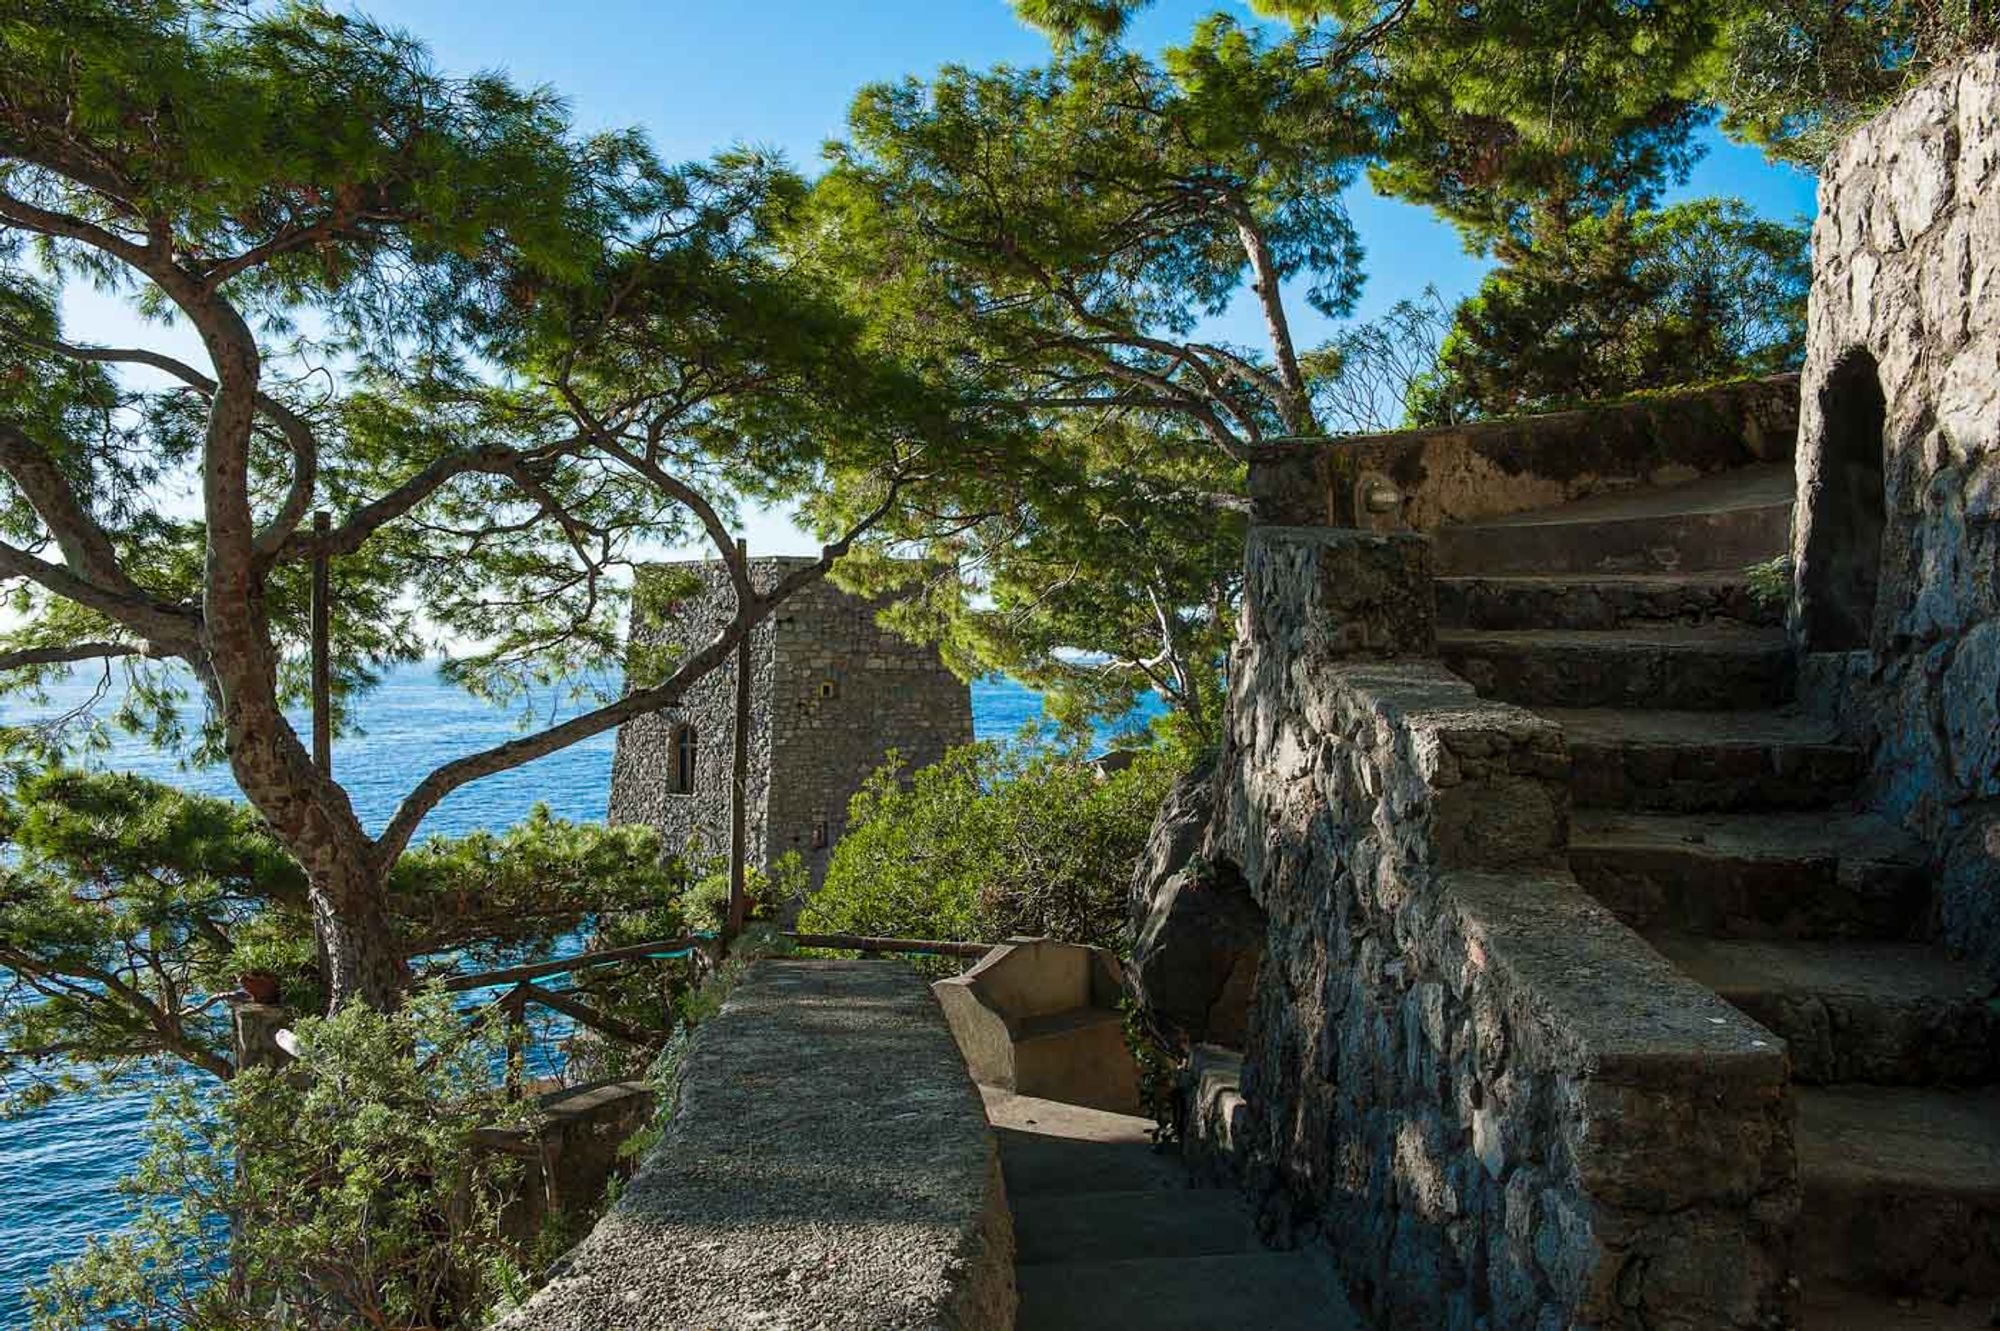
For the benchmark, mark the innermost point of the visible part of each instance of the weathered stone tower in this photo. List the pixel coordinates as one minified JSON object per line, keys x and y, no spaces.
{"x":831,"y":695}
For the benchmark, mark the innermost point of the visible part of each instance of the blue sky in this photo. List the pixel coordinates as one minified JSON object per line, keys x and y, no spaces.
{"x":780,"y":74}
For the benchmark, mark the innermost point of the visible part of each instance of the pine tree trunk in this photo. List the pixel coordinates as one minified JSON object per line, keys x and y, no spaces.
{"x":362,"y":957}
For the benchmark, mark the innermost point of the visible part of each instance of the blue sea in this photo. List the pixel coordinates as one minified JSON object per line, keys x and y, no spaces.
{"x":58,"y":1166}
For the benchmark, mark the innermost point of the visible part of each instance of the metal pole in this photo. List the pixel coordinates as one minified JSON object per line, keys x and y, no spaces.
{"x":739,"y":831}
{"x":322,"y":669}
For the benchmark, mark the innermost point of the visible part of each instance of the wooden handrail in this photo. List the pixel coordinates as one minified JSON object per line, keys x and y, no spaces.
{"x":512,"y":1005}
{"x":612,"y":1026}
{"x":458,"y":984}
{"x":861,"y":943}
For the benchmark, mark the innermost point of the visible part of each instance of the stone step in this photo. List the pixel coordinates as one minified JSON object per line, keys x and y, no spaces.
{"x":1901,"y":1197}
{"x":1721,"y":523}
{"x":1903,"y":1014}
{"x":1100,"y":1226}
{"x":1582,"y":601}
{"x":1269,"y":1291}
{"x":1048,"y":1148}
{"x":1689,"y":669}
{"x":1691,"y":762}
{"x":1763,"y":875}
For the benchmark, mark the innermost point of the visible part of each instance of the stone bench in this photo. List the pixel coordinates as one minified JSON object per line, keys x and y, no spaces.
{"x":1041,"y":1018}
{"x":828,"y":1165}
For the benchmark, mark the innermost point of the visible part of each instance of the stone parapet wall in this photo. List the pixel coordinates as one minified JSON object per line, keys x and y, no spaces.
{"x":1495,"y":1102}
{"x":1423,"y":479}
{"x":1901,"y":403}
{"x":828,"y":1165}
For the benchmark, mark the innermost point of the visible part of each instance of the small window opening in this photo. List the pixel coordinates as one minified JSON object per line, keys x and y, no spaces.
{"x":1843,"y":554}
{"x":819,"y":834}
{"x":829,"y":689}
{"x":685,"y":752}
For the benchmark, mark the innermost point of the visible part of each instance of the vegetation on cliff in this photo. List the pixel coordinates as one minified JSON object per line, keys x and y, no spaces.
{"x":126,"y":904}
{"x":998,"y":839}
{"x":365,"y":1197}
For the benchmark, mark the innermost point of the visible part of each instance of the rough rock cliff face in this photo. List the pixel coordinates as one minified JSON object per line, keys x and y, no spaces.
{"x":1197,"y":935}
{"x":1898,"y":531}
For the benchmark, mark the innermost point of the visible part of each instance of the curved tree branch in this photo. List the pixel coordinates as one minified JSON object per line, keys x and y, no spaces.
{"x":24,"y":657}
{"x":686,"y":495}
{"x":63,"y":226}
{"x":640,"y":702}
{"x":298,"y":433}
{"x":86,"y":547}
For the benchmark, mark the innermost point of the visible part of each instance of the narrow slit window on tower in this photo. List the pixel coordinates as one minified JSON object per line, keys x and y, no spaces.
{"x":684,"y":757}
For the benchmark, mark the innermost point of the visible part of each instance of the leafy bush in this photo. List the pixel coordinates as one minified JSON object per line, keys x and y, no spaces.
{"x":706,"y":904}
{"x":995,"y":839}
{"x":349,"y":1191}
{"x":1771,"y":581}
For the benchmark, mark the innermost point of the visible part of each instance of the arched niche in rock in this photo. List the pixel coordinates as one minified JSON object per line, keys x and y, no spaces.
{"x":1841,"y":565}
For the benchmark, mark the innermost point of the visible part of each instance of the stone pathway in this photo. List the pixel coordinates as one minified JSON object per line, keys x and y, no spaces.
{"x":1109,"y":1234}
{"x":1718,"y":820}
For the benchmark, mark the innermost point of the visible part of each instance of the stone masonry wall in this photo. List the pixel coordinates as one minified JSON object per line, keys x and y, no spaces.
{"x":832,"y":694}
{"x":1420,"y":480}
{"x":1903,"y":342}
{"x":1499,"y":1107}
{"x":886,"y":694}
{"x":827,"y":1165}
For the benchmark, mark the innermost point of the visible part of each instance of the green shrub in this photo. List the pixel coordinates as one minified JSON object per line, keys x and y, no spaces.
{"x":995,"y":839}
{"x":348,"y":1191}
{"x":706,"y":903}
{"x":1771,"y":581}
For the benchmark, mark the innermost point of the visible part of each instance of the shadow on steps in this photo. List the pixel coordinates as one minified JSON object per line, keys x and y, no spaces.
{"x":1109,"y":1232}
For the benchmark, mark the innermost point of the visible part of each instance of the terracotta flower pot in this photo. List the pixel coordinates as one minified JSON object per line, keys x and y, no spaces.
{"x":262,"y":986}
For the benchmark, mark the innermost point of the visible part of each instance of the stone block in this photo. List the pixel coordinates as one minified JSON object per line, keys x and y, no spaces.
{"x":1487,"y":469}
{"x":1375,"y":596}
{"x":1341,"y":593}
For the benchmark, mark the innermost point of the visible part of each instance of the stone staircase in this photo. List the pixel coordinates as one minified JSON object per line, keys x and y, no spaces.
{"x":1719,"y":821}
{"x":1108,"y":1232}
